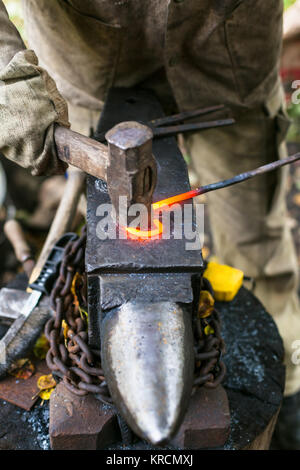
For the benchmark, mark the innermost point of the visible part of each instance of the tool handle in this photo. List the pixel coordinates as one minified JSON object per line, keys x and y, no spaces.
{"x":63,"y":218}
{"x":80,"y":151}
{"x":15,"y":235}
{"x":50,"y":270}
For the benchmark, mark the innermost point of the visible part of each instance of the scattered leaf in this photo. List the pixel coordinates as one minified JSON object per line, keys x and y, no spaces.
{"x":73,"y":289}
{"x":205,"y":252}
{"x":208,"y":330}
{"x":45,"y":382}
{"x":296,"y":199}
{"x":46,"y":394}
{"x":206,"y":304}
{"x":22,"y":369}
{"x":83,"y":313}
{"x":65,"y":329}
{"x":41,"y":347}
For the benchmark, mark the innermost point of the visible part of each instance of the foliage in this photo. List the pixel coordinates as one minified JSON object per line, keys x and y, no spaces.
{"x":288,"y":3}
{"x":14,"y":9}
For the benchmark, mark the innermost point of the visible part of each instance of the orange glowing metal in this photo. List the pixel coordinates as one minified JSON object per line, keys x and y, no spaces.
{"x":146,"y":234}
{"x":172,"y":200}
{"x":151,"y":234}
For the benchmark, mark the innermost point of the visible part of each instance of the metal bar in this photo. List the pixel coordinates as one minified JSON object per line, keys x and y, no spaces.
{"x":185,"y":115}
{"x":225,"y":183}
{"x":172,"y":130}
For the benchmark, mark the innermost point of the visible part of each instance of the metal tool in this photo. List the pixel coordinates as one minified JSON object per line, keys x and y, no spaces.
{"x":226,"y":183}
{"x":30,"y":320}
{"x":126,"y":174}
{"x":163,"y":127}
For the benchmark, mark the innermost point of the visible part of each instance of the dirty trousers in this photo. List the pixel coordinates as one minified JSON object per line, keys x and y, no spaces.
{"x":249,"y":221}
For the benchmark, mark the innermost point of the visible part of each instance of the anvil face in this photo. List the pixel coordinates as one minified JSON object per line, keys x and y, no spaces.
{"x":131,"y":255}
{"x":133,"y":284}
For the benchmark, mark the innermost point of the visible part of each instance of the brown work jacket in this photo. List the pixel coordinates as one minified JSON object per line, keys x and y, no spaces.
{"x":191,"y":52}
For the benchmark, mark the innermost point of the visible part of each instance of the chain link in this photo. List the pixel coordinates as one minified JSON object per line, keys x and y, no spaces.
{"x":69,"y":357}
{"x":209,"y":348}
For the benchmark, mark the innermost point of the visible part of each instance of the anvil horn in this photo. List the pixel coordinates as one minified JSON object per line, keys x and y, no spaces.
{"x":147,"y":357}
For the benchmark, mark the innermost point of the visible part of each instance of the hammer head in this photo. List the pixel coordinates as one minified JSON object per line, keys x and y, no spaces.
{"x":132,"y":170}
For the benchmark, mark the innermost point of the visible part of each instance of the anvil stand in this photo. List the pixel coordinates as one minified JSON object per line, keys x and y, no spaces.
{"x":119,"y":272}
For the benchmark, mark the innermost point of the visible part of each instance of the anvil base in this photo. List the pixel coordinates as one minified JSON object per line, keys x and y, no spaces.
{"x":84,"y":423}
{"x":207,"y":420}
{"x":80,"y":423}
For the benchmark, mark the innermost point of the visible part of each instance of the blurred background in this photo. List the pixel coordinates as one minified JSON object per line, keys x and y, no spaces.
{"x":33,"y":200}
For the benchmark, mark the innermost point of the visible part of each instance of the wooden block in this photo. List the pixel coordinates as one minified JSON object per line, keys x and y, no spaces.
{"x":207,"y":420}
{"x":80,"y":423}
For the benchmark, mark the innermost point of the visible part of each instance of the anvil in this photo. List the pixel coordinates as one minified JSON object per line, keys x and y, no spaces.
{"x":141,"y":293}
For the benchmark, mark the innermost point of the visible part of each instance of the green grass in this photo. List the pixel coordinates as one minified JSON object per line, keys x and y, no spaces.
{"x":14,"y":9}
{"x":288,"y":3}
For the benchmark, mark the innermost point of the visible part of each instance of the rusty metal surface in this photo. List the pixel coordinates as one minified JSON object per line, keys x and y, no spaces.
{"x":128,"y":255}
{"x":148,"y":361}
{"x":19,"y":392}
{"x":207,"y":421}
{"x":80,"y":423}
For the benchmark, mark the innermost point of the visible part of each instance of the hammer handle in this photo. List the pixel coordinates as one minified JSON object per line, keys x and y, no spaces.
{"x":15,"y":235}
{"x":82,"y":152}
{"x":63,"y":218}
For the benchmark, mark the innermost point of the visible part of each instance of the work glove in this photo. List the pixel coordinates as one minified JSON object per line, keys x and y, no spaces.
{"x":30,"y":105}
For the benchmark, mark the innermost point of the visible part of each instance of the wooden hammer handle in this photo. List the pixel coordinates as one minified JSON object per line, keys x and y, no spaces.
{"x":82,"y":152}
{"x":15,"y":235}
{"x":63,"y":218}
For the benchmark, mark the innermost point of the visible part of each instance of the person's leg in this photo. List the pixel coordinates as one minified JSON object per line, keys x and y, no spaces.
{"x":249,"y":223}
{"x":83,"y":120}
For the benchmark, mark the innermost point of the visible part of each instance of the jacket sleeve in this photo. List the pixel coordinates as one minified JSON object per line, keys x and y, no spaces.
{"x":30,"y":104}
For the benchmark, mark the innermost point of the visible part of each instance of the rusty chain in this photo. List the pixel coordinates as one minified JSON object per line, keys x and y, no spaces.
{"x":209,"y":347}
{"x":79,"y":367}
{"x":69,"y":356}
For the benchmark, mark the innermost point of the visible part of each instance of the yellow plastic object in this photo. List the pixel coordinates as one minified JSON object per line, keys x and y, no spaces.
{"x":225,"y":280}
